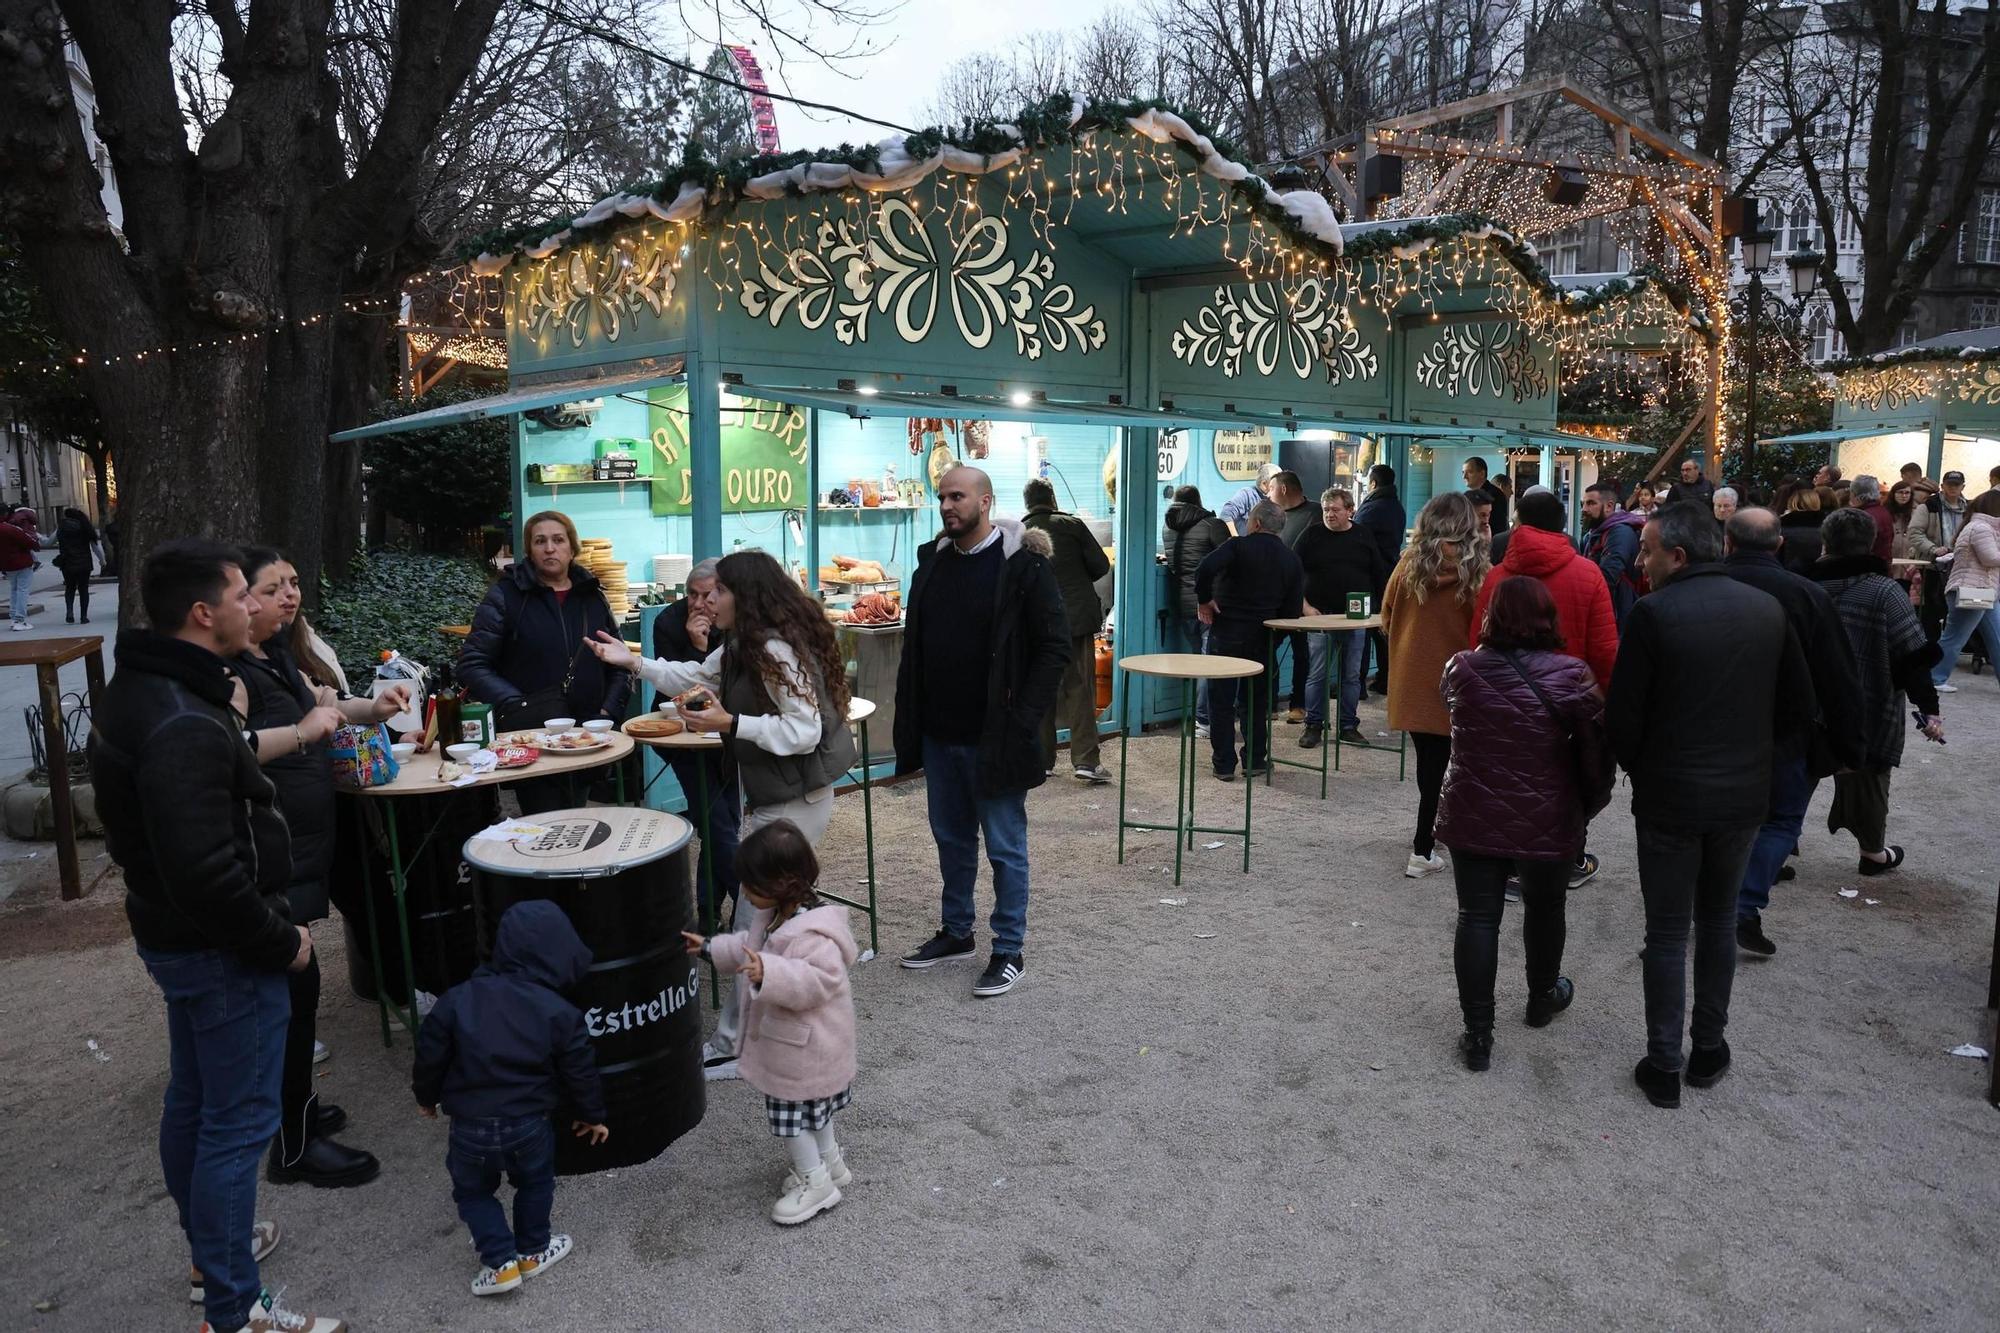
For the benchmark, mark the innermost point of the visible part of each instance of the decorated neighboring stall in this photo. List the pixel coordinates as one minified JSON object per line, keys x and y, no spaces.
{"x":1936,"y":403}
{"x":786,"y":352}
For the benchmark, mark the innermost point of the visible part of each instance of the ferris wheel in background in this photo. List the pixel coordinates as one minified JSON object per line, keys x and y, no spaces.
{"x":763,"y":114}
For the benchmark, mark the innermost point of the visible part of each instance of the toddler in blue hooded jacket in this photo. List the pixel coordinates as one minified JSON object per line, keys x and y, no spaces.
{"x":500,"y":1053}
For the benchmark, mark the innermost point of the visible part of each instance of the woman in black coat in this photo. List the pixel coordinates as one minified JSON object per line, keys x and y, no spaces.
{"x":526,"y":654}
{"x":288,"y":721}
{"x":76,"y":540}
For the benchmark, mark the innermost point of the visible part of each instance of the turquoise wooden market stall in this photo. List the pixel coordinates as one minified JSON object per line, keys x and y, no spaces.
{"x":1099,"y":295}
{"x":1936,"y":403}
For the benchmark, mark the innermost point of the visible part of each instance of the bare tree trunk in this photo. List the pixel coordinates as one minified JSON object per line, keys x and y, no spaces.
{"x":358,"y":370}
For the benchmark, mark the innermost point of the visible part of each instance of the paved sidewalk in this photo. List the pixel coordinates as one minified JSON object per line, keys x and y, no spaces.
{"x":1238,"y":1110}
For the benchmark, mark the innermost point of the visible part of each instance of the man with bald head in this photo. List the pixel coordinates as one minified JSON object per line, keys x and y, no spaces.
{"x":985,"y":641}
{"x":1751,"y":542}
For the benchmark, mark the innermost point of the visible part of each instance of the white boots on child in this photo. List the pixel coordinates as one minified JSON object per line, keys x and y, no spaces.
{"x":806,"y":1197}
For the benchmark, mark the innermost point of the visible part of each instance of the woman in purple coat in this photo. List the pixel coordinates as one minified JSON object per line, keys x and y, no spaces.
{"x":1529,"y":766}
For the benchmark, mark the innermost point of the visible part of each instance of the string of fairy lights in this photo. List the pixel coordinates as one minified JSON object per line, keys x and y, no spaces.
{"x":1117,"y":174}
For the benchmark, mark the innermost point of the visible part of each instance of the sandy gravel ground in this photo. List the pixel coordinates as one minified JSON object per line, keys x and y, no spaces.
{"x":1243,"y":1111}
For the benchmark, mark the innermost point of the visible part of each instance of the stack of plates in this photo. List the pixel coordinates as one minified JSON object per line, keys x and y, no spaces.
{"x":596,"y":557}
{"x":671,"y":571}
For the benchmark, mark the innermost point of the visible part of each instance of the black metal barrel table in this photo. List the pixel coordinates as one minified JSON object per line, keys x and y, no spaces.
{"x":620,"y":874}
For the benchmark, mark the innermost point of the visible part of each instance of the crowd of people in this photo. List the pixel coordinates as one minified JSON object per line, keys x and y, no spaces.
{"x":1521,"y":665}
{"x":1526,"y":670}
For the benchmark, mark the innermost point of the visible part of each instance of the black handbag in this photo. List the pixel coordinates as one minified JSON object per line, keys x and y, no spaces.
{"x":531,"y":710}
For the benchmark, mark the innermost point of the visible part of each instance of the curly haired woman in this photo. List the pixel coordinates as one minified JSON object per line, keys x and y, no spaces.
{"x":778,"y":687}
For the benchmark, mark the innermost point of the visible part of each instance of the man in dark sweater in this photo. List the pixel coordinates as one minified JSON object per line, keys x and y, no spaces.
{"x":1242,"y":584}
{"x":1339,"y":560}
{"x":984,"y":648}
{"x":194,"y":824}
{"x":1750,"y":544}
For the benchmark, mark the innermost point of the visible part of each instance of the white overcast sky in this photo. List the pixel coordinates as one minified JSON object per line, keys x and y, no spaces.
{"x":899,"y":78}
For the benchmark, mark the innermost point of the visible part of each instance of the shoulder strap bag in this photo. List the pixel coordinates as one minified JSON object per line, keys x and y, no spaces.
{"x":1590,"y":761}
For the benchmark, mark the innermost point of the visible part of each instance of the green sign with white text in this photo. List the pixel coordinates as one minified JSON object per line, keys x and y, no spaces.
{"x":764,"y":449}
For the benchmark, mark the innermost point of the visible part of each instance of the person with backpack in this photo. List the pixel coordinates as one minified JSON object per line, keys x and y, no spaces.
{"x":1611,"y":542}
{"x":1191,"y":533}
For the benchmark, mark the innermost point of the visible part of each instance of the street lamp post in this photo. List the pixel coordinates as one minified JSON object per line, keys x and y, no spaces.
{"x":1804,"y":266}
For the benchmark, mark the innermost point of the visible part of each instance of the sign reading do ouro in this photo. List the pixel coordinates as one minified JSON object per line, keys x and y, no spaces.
{"x":763,"y":454}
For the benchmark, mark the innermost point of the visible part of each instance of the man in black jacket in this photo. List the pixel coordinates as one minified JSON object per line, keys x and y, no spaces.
{"x":1751,"y":541}
{"x":984,"y":645}
{"x":1699,"y":646}
{"x":1383,"y":515}
{"x":1242,"y":584}
{"x":193,"y":823}
{"x":1191,"y":533}
{"x":1079,"y":563}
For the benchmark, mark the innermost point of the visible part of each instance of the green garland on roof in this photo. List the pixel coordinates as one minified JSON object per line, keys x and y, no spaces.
{"x":1904,"y":356}
{"x":1047,"y":124}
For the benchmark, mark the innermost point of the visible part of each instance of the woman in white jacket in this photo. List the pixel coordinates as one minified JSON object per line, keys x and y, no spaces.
{"x":775,"y":690}
{"x":1975,"y":571}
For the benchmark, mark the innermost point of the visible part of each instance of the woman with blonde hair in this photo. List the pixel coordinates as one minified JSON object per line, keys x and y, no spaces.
{"x":1427,"y":614}
{"x":1799,"y":526}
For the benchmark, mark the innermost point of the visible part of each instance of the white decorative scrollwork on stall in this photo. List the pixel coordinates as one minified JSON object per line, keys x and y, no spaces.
{"x":611,"y":285}
{"x":1301,"y":331}
{"x":1473,"y":360}
{"x":898,"y":271}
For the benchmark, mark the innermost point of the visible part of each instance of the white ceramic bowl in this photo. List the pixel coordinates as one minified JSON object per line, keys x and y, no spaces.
{"x":404,"y":751}
{"x":668,"y":708}
{"x":599,"y":725}
{"x":560,"y":723}
{"x":462,"y":751}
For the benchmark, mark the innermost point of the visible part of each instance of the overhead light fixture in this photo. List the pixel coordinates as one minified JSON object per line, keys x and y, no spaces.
{"x":1382,"y":177}
{"x":1019,"y":398}
{"x":1565,"y":187}
{"x":867,"y":391}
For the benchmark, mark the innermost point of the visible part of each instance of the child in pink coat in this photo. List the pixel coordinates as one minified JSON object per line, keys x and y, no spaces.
{"x":798,"y":1033}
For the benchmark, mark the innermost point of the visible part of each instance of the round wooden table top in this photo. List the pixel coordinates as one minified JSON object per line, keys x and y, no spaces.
{"x":1324,"y":624}
{"x":418,"y":775}
{"x":1191,"y":666}
{"x":857,"y":710}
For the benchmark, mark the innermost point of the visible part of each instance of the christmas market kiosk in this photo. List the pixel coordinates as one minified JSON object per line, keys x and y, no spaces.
{"x":787,"y":352}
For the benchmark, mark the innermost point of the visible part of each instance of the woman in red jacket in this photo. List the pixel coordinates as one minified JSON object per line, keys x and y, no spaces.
{"x":1529,"y":767}
{"x":19,"y":542}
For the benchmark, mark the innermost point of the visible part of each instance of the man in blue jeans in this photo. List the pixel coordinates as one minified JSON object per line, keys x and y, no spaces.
{"x":1751,"y":543}
{"x":1340,"y":559}
{"x":193,"y":822}
{"x":985,"y":642}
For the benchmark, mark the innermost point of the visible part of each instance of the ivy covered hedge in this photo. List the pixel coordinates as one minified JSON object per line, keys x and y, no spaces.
{"x":399,"y":599}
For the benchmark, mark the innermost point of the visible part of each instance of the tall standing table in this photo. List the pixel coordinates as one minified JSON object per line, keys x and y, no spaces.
{"x":858,"y":713}
{"x":1187,"y":668}
{"x":1335,"y":662}
{"x":47,"y":657}
{"x":419,"y":777}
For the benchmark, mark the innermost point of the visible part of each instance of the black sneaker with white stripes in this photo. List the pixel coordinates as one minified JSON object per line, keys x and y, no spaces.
{"x":1000,"y":975}
{"x":939,"y":948}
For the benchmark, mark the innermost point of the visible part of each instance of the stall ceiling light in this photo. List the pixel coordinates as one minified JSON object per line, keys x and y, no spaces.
{"x":868,"y":391}
{"x":1019,"y":398}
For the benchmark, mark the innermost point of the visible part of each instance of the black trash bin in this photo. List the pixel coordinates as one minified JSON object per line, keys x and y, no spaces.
{"x":443,"y":943}
{"x":621,"y":876}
